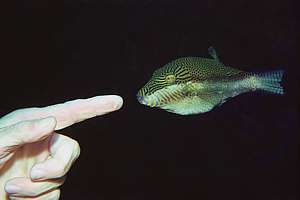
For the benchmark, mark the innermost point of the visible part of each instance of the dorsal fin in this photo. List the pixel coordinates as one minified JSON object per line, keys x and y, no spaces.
{"x":212,"y":52}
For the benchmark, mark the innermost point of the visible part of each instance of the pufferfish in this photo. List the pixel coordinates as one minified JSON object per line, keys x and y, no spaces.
{"x":193,"y":85}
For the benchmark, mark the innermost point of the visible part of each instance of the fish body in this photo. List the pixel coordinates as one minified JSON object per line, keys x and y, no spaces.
{"x":192,"y":85}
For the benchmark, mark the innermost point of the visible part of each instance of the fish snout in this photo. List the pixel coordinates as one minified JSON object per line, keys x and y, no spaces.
{"x":140,"y":98}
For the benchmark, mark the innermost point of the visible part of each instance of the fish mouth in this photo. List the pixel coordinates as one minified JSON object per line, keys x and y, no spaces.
{"x":146,"y":101}
{"x":140,"y":99}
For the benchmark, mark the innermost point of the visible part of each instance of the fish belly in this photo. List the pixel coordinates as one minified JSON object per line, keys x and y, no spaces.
{"x":203,"y":97}
{"x":189,"y":106}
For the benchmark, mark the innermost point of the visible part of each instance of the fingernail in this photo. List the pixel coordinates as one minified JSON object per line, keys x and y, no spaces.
{"x":118,"y":101}
{"x":12,"y":189}
{"x":37,"y":174}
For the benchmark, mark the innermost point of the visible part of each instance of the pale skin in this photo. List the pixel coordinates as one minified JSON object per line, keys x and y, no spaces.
{"x":34,"y":159}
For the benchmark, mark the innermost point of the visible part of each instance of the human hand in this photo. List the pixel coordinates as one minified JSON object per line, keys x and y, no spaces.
{"x":33,"y":158}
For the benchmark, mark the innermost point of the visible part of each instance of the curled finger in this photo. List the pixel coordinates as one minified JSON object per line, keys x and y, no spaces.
{"x":25,"y":187}
{"x":63,"y":153}
{"x":52,"y":195}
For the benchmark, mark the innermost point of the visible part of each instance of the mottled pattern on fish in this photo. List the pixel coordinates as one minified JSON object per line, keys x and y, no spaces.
{"x":193,"y":85}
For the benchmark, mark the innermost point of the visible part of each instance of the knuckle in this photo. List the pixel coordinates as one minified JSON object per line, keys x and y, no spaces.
{"x":54,"y":195}
{"x":33,"y":193}
{"x":16,"y":112}
{"x":75,"y":144}
{"x":26,"y":126}
{"x":76,"y":148}
{"x":19,"y":114}
{"x":60,"y":169}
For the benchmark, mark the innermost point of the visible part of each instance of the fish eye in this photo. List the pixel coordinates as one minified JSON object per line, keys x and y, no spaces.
{"x":170,"y":78}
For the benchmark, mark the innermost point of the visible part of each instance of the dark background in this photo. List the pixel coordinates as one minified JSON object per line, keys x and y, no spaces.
{"x":54,"y":51}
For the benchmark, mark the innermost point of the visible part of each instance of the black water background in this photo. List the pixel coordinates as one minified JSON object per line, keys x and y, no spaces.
{"x":246,"y":149}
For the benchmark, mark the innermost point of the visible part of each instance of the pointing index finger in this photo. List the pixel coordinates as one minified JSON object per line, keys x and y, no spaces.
{"x":67,"y":113}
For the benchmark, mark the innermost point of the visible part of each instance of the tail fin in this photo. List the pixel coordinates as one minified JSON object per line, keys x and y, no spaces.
{"x":270,"y":81}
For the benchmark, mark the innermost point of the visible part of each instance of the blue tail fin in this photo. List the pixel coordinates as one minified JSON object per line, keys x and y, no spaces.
{"x":270,"y":81}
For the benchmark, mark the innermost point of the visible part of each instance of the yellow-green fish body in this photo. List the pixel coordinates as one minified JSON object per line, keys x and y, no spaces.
{"x":193,"y":85}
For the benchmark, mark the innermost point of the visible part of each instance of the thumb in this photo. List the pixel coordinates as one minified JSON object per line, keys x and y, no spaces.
{"x":30,"y":131}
